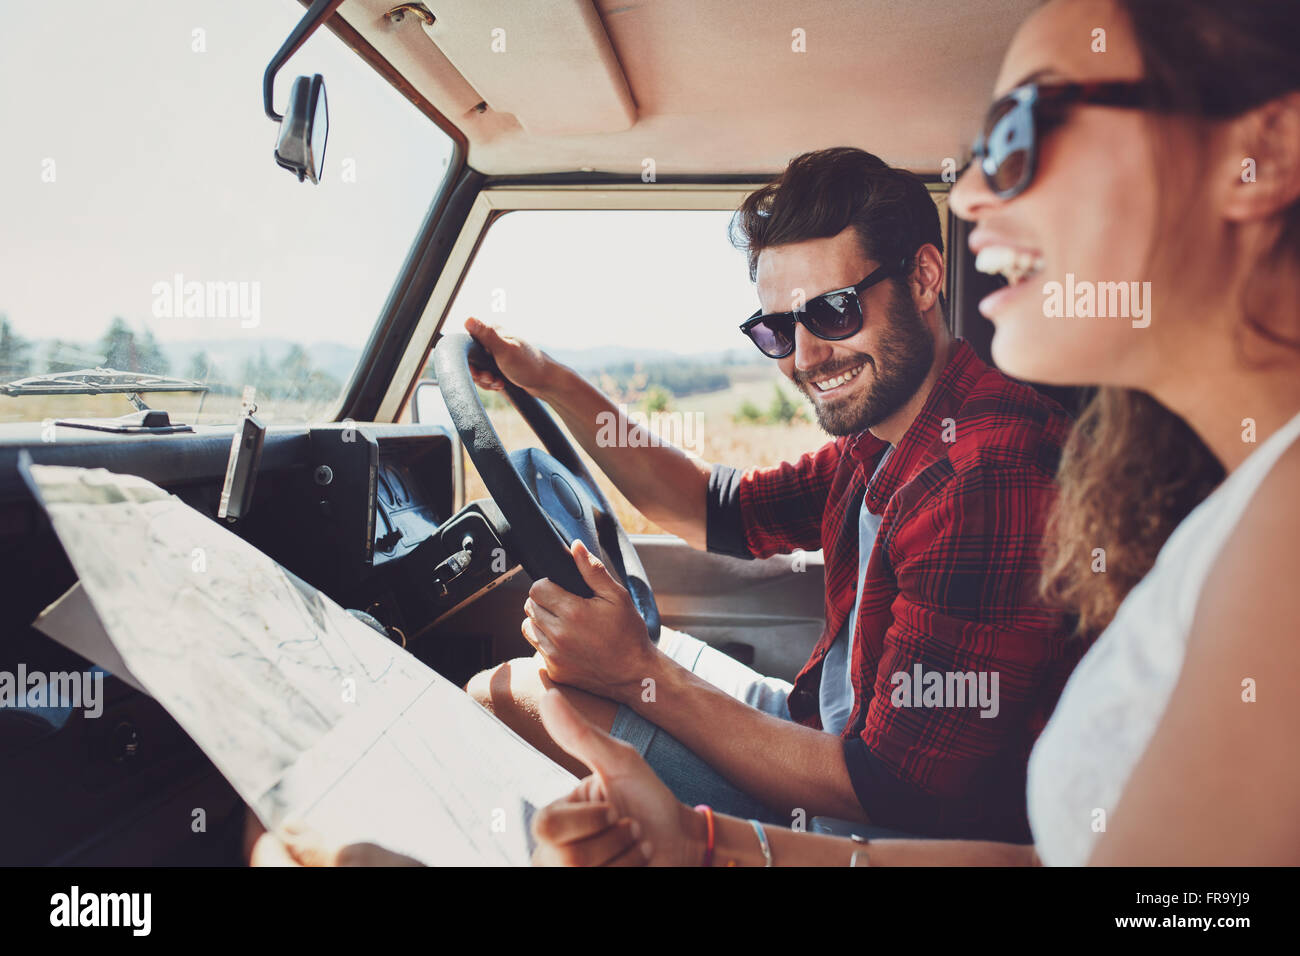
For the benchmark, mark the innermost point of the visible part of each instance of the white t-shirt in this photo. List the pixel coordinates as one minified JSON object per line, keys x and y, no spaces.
{"x":835,"y":695}
{"x":1109,"y":709}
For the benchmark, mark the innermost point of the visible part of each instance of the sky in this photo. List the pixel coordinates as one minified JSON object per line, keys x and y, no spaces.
{"x":163,"y":165}
{"x":663,"y":279}
{"x":161,"y":161}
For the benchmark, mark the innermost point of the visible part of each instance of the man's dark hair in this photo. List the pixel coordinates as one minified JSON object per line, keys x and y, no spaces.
{"x":822,"y":193}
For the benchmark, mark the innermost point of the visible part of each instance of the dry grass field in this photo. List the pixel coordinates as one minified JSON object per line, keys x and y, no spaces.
{"x":191,"y":408}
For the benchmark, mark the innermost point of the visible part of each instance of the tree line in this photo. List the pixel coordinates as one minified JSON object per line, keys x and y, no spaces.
{"x":125,"y":350}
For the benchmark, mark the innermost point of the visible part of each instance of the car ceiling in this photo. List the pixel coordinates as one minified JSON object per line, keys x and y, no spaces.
{"x":701,"y":87}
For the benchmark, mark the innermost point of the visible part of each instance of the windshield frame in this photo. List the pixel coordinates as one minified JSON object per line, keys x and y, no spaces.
{"x":352,"y":402}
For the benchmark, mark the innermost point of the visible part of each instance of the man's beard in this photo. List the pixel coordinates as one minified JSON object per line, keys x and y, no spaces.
{"x":902,"y":361}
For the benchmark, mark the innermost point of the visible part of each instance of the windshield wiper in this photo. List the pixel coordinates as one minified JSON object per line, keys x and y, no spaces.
{"x":105,"y":381}
{"x":99,"y":381}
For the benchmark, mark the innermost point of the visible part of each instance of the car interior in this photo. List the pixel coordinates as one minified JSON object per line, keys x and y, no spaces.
{"x":600,"y":105}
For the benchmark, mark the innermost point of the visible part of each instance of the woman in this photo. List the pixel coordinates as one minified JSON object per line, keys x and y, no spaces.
{"x":1139,"y":184}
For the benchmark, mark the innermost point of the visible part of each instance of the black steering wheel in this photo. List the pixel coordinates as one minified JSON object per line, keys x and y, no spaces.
{"x":548,"y":496}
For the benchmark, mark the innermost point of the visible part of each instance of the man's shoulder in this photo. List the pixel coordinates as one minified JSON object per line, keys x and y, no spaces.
{"x":1003,"y":423}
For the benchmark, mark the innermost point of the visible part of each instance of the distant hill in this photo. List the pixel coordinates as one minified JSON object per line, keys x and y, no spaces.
{"x":604,"y":357}
{"x":227,"y":355}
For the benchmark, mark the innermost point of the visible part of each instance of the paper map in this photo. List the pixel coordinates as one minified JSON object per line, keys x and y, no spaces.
{"x":308,"y":712}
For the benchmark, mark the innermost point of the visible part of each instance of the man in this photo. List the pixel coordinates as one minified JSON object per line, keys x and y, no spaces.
{"x":937,"y":666}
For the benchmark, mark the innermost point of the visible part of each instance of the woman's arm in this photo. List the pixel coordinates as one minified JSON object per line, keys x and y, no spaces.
{"x":1219,"y":783}
{"x":737,"y":845}
{"x":671,"y":834}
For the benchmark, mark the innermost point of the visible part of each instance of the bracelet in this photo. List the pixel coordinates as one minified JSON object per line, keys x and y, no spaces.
{"x":762,"y":842}
{"x":707,"y":810}
{"x":860,"y":854}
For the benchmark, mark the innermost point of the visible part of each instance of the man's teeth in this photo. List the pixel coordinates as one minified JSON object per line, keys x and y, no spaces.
{"x":838,"y":380}
{"x":1005,"y":261}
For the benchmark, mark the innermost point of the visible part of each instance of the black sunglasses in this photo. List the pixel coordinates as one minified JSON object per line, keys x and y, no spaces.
{"x":832,"y":315}
{"x":1007,"y":148}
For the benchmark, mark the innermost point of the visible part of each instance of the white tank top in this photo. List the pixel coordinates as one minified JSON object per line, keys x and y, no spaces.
{"x":1116,"y":695}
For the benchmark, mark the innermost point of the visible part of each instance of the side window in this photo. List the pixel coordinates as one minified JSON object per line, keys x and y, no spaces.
{"x":646,"y":305}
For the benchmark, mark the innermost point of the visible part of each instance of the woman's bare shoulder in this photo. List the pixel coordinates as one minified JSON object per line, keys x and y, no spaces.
{"x":1251,"y":596}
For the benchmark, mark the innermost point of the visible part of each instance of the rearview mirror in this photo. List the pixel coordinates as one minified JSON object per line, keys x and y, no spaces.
{"x":300,"y":147}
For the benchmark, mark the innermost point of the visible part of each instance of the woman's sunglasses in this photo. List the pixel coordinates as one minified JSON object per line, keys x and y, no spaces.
{"x":1007,"y":148}
{"x":832,"y":315}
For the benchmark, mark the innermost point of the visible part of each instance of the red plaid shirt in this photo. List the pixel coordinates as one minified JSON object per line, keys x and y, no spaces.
{"x":951,"y":585}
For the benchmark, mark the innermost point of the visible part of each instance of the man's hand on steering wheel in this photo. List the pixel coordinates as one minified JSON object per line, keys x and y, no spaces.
{"x":525,"y":365}
{"x":598,"y":643}
{"x":547,"y":498}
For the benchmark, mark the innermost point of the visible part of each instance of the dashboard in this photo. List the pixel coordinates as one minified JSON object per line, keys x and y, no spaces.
{"x":365,"y":512}
{"x":385,"y":489}
{"x":404,"y":510}
{"x":385,"y":494}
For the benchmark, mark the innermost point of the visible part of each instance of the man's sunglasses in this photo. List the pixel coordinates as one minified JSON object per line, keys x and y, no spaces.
{"x":832,"y":315}
{"x":1007,"y":148}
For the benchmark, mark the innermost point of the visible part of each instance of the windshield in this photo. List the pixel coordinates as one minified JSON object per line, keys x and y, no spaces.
{"x":146,"y":227}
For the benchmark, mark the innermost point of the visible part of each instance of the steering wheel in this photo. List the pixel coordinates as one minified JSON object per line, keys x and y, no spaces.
{"x":548,"y":496}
